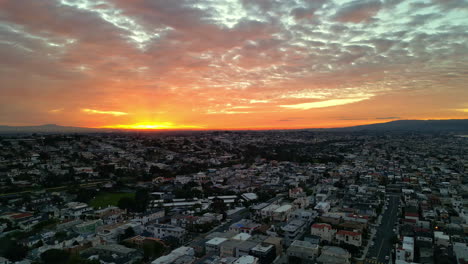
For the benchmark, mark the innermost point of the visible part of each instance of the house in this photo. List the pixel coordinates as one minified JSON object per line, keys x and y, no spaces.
{"x":349,"y":237}
{"x":303,"y":250}
{"x":148,"y":217}
{"x":76,"y":209}
{"x":281,"y":213}
{"x":322,"y":207}
{"x":441,"y":239}
{"x":301,"y":202}
{"x":324,"y":231}
{"x":412,"y":216}
{"x":112,"y":253}
{"x":461,"y":252}
{"x":267,"y":211}
{"x":305,"y":215}
{"x":406,"y":251}
{"x":228,"y":248}
{"x":334,"y":255}
{"x":296,"y":193}
{"x":265,"y":253}
{"x":181,"y":255}
{"x":162,"y":231}
{"x":246,"y":260}
{"x":110,"y":215}
{"x":277,"y":242}
{"x":214,"y":245}
{"x":257,"y":210}
{"x":244,"y":248}
{"x":244,"y":226}
{"x":111,"y":233}
{"x":292,"y":230}
{"x":88,"y":227}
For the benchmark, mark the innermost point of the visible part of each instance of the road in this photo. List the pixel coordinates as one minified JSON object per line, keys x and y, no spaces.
{"x":383,"y":238}
{"x":88,"y":184}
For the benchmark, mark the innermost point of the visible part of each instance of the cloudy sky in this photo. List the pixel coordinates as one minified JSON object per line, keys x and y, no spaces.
{"x":232,"y":63}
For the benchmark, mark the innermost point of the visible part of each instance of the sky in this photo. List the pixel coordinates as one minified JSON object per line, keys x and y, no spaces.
{"x":232,"y":64}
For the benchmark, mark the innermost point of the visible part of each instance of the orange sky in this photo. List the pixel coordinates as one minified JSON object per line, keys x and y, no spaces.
{"x":231,"y":64}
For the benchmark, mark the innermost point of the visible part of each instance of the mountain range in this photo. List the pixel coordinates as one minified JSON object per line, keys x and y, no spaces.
{"x":453,"y":125}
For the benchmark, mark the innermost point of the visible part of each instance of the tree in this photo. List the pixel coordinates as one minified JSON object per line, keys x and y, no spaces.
{"x":55,"y":256}
{"x":171,"y":241}
{"x":14,"y":251}
{"x":127,"y":203}
{"x":142,"y":200}
{"x":61,"y":235}
{"x":38,"y":244}
{"x":129,"y":232}
{"x":84,"y":196}
{"x":152,"y":250}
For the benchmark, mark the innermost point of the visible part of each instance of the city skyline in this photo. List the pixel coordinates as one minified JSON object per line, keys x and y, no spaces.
{"x":232,"y":64}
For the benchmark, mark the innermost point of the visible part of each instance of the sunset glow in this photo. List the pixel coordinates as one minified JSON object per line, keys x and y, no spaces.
{"x":149,"y":125}
{"x":231,"y":64}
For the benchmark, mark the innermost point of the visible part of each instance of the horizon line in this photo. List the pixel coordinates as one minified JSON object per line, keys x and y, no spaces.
{"x":223,"y":129}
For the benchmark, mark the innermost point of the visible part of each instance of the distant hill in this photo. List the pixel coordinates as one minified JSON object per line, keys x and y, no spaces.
{"x":51,"y":128}
{"x":452,"y":125}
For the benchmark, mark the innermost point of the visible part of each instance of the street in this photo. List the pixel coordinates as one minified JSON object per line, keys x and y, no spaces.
{"x":383,"y":238}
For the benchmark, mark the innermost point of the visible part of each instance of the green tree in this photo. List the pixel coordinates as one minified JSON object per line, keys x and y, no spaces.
{"x":14,"y":251}
{"x":127,"y":203}
{"x":152,"y":250}
{"x":55,"y":256}
{"x":142,"y":200}
{"x":129,"y":232}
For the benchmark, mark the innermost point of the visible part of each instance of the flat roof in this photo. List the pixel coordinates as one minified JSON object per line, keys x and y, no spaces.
{"x":283,"y":208}
{"x":216,"y":240}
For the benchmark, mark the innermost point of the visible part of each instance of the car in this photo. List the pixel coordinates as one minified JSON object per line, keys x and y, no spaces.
{"x":387,"y":257}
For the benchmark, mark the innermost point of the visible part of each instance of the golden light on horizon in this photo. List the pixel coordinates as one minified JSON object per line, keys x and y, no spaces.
{"x":153,"y":126}
{"x":130,"y":65}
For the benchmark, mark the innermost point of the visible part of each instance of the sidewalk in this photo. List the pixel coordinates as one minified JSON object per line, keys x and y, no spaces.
{"x":371,"y":238}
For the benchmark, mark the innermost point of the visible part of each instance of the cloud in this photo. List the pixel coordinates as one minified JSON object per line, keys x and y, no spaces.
{"x":227,"y":112}
{"x":352,"y":119}
{"x":389,"y":117}
{"x":55,"y":111}
{"x":93,"y":111}
{"x":253,"y":101}
{"x":327,"y":103}
{"x":358,"y":11}
{"x":184,"y":59}
{"x":302,"y":13}
{"x":291,"y":119}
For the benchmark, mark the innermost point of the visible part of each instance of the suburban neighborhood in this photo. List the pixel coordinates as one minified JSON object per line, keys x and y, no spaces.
{"x":232,"y":197}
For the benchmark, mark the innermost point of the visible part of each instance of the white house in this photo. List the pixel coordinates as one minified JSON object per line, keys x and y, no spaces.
{"x":406,"y":251}
{"x":323,"y":207}
{"x":441,"y":239}
{"x":324,"y":231}
{"x":162,"y":231}
{"x":349,"y":237}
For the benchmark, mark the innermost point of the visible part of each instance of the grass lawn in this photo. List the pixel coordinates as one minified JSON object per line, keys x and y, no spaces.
{"x":104,"y":199}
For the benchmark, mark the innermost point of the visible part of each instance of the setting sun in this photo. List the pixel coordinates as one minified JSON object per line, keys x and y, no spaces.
{"x":231,"y":64}
{"x":153,"y":125}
